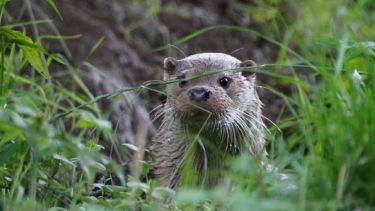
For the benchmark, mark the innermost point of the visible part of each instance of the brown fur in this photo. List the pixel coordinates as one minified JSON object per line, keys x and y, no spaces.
{"x":234,"y":123}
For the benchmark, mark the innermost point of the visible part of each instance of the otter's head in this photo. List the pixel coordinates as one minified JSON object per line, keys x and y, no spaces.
{"x":217,"y":94}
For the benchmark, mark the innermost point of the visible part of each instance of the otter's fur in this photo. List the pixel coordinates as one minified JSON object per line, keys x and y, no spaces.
{"x":207,"y":117}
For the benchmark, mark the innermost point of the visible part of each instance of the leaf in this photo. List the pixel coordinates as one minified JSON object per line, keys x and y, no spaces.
{"x":161,"y":192}
{"x":329,"y":42}
{"x":88,"y":120}
{"x":28,"y":47}
{"x":191,"y":196}
{"x":9,"y":132}
{"x":131,"y":146}
{"x":53,"y":5}
{"x":34,"y":59}
{"x":92,"y":146}
{"x":63,"y":159}
{"x":8,"y":150}
{"x":25,"y":105}
{"x":59,"y":37}
{"x":97,"y":44}
{"x":139,"y":186}
{"x":3,"y":2}
{"x":112,"y":188}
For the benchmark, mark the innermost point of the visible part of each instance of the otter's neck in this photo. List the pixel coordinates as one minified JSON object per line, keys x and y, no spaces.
{"x":204,"y":156}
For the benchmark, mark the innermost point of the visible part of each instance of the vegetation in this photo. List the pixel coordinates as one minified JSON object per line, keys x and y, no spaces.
{"x":54,"y":138}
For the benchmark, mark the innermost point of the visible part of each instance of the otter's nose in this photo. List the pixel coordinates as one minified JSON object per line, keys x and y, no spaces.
{"x":199,"y":94}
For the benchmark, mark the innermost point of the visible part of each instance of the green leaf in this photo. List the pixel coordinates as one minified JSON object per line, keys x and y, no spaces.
{"x":162,"y":192}
{"x":25,"y":105}
{"x":191,"y":196}
{"x":97,"y":44}
{"x":59,"y":37}
{"x":9,"y":132}
{"x":8,"y":150}
{"x":53,"y":5}
{"x":28,"y":47}
{"x":3,"y":2}
{"x":92,"y":146}
{"x":63,"y":159}
{"x":88,"y":120}
{"x":139,"y":186}
{"x":34,"y":59}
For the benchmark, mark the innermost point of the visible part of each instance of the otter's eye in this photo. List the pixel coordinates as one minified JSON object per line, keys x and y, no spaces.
{"x":224,"y":82}
{"x":183,"y":82}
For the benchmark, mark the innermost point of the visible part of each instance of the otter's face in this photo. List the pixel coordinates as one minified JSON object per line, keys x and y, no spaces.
{"x":215,"y":94}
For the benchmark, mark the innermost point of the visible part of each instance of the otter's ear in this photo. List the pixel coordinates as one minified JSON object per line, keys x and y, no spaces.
{"x":170,"y":65}
{"x":247,"y":74}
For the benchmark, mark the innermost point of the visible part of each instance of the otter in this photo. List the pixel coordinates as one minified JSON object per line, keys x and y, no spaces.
{"x":205,"y":120}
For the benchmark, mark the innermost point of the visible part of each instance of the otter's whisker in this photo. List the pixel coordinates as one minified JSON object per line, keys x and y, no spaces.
{"x":187,"y":140}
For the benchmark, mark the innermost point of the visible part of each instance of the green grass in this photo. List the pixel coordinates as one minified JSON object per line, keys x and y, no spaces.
{"x":50,"y":136}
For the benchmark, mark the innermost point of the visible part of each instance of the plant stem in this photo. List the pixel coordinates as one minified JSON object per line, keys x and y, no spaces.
{"x":2,"y":65}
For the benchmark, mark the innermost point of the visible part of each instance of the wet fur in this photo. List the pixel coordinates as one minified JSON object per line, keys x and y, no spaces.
{"x":234,"y":123}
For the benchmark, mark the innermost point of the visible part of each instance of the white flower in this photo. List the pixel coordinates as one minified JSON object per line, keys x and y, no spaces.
{"x":357,"y":80}
{"x":356,"y":76}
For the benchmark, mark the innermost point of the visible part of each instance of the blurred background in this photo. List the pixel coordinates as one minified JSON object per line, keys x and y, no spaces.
{"x":128,"y":32}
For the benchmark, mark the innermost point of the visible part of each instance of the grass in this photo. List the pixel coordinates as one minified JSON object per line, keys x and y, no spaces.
{"x":51,"y":156}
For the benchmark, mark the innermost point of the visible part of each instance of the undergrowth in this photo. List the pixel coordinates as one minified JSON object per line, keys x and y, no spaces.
{"x":52,"y":156}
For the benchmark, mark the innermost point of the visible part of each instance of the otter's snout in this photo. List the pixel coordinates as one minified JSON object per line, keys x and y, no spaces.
{"x":199,"y":94}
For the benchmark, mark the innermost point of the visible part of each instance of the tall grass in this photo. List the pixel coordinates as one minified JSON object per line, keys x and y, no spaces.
{"x":46,"y":162}
{"x":51,"y":157}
